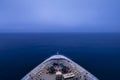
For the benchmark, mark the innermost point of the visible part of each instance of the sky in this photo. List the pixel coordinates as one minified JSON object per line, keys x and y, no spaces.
{"x":59,"y":16}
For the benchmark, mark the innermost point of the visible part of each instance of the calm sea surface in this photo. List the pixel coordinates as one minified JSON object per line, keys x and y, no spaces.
{"x":99,"y":53}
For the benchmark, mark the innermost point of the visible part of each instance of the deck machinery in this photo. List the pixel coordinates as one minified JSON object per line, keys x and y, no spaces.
{"x":59,"y":67}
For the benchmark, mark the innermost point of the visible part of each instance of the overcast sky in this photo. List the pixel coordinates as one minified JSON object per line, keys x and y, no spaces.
{"x":59,"y":15}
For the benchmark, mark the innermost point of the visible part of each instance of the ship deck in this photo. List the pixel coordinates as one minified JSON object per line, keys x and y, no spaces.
{"x":59,"y":67}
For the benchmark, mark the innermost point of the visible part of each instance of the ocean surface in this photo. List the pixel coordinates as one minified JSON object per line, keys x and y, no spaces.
{"x":99,"y":53}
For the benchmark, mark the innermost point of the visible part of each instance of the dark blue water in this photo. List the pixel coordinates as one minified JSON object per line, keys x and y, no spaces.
{"x":99,"y":53}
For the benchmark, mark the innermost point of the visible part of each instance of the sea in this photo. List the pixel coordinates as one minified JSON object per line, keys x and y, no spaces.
{"x":99,"y":53}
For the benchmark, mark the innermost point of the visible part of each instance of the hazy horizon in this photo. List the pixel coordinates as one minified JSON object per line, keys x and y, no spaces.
{"x":59,"y":16}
